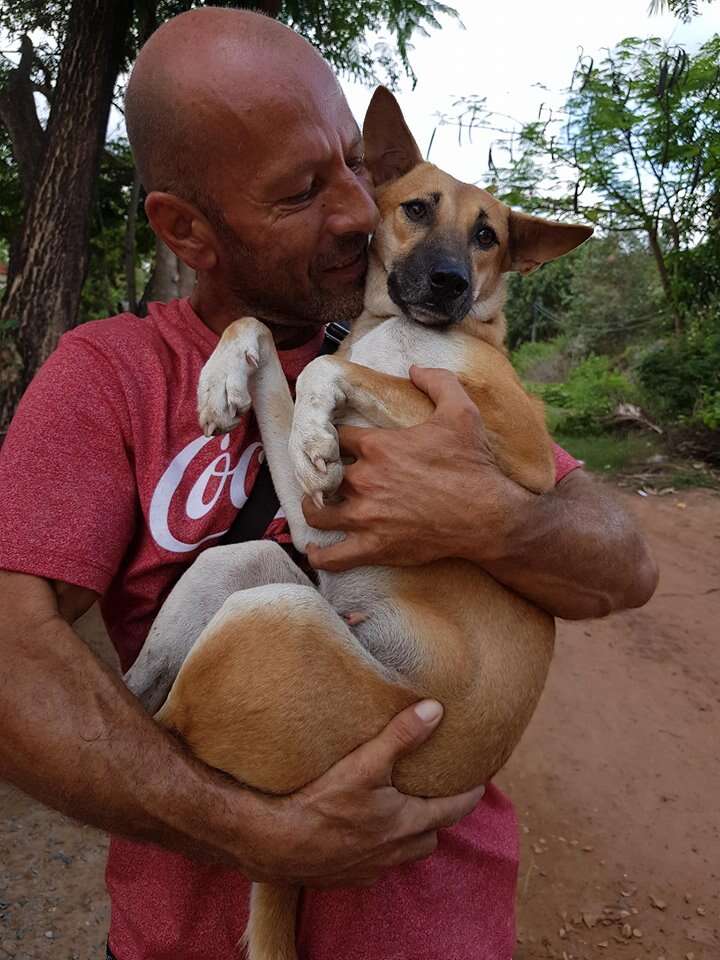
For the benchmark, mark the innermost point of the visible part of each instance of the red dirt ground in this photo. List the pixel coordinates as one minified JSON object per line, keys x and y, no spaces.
{"x":617,"y":785}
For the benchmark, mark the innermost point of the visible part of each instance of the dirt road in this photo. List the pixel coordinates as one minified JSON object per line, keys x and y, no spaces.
{"x":617,"y":785}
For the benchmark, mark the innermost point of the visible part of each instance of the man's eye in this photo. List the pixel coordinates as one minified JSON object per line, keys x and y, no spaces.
{"x":357,"y":164}
{"x":485,"y":237}
{"x":415,"y":210}
{"x":305,"y":195}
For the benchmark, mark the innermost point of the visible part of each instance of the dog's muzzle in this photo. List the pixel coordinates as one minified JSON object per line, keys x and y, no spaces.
{"x":438,"y":295}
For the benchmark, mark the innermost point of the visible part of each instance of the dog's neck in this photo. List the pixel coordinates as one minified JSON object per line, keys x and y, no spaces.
{"x":486,"y":319}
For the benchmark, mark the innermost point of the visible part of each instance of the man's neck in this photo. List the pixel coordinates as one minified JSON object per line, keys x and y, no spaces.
{"x":218,"y":315}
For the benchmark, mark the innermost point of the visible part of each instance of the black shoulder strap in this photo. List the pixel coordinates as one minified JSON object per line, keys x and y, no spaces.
{"x":261,"y":506}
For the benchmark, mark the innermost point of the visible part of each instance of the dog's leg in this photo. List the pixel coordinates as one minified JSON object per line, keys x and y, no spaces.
{"x":245,"y":368}
{"x":330,"y":389}
{"x":327,"y":391}
{"x":216,"y":574}
{"x":274,"y":692}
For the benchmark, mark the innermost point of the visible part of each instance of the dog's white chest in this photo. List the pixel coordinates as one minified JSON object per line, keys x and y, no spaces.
{"x":396,"y":344}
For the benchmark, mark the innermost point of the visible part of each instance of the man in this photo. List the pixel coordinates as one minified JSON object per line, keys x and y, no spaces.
{"x":254,"y":171}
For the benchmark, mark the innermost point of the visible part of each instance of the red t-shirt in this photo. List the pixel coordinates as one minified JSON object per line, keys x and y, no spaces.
{"x":108,"y":483}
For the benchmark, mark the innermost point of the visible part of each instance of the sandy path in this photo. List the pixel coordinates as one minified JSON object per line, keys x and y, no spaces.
{"x":617,"y":784}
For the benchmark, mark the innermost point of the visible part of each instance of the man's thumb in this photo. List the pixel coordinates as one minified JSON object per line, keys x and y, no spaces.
{"x":405,"y":733}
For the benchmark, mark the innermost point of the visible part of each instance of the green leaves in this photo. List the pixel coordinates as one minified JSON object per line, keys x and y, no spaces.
{"x":371,"y":40}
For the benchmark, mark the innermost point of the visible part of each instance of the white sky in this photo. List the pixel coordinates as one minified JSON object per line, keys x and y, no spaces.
{"x":506,"y":48}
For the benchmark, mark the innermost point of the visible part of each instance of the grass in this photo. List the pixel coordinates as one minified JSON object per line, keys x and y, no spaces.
{"x":609,"y":453}
{"x":606,"y":452}
{"x":684,"y":479}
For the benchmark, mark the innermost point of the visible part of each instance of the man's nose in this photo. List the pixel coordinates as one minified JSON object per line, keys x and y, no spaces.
{"x":353,"y":208}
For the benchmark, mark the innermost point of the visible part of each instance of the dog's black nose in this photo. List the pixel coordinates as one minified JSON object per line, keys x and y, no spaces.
{"x":448,"y":282}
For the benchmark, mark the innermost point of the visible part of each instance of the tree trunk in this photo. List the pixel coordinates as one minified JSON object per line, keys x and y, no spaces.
{"x":130,"y":244}
{"x":664,"y":278}
{"x":163,"y":282}
{"x":170,"y":277}
{"x":186,"y":279}
{"x":44,"y":286}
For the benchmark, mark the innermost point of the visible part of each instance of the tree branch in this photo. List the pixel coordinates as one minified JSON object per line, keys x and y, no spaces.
{"x":19,"y":116}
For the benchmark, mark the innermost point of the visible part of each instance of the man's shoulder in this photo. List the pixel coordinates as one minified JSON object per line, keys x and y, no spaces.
{"x":122,"y":331}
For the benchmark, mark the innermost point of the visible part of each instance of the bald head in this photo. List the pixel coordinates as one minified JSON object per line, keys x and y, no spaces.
{"x":253,"y":165}
{"x":207,"y":76}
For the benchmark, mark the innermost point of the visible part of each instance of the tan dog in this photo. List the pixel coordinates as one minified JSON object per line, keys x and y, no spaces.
{"x":278,"y":684}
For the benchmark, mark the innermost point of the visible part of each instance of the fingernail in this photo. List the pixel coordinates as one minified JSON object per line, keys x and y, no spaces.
{"x":429,"y":711}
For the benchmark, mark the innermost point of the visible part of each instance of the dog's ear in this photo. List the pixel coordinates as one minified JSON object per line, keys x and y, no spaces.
{"x":534,"y":241}
{"x":390,"y":150}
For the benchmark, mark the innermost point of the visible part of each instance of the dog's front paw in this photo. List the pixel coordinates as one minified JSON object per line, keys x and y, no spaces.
{"x":315,"y":452}
{"x":223,"y":388}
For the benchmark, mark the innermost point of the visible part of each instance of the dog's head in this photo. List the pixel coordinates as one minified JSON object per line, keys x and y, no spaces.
{"x":445,"y":245}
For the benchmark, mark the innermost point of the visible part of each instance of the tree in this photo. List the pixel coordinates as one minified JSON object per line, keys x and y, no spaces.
{"x":685,"y":10}
{"x":636,"y":149}
{"x":55,"y":163}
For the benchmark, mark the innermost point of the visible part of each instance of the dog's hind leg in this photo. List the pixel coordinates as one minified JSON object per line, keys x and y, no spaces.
{"x":197,"y":596}
{"x":274,"y":692}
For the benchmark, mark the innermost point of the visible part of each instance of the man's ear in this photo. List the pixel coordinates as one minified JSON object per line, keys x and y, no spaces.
{"x":533,"y":240}
{"x":390,"y":150}
{"x":183,"y":229}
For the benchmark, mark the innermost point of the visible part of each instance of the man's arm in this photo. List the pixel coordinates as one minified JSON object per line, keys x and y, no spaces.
{"x":434,"y":491}
{"x":75,"y":739}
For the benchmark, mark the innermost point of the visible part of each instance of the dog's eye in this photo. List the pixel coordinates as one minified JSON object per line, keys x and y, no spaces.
{"x":415,"y":210}
{"x":485,"y":237}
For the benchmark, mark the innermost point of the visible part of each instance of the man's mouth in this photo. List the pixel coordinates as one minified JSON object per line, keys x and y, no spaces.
{"x":350,"y":267}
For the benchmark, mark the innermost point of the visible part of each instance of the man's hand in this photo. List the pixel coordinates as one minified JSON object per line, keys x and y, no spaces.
{"x":411,"y":492}
{"x":434,"y":491}
{"x":351,"y":825}
{"x":87,"y":748}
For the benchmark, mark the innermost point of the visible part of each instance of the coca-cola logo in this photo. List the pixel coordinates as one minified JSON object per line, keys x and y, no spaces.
{"x":219,"y":479}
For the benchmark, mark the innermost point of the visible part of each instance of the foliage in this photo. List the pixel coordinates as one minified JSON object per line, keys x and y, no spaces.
{"x":608,"y":452}
{"x":541,"y":361}
{"x":614,"y":295}
{"x":369,"y":40}
{"x":680,"y":376}
{"x":536,"y":301}
{"x":105,"y":290}
{"x":685,"y":10}
{"x":636,"y":148}
{"x":598,"y":298}
{"x":637,"y":144}
{"x":343,"y":32}
{"x":10,"y":194}
{"x":589,"y":396}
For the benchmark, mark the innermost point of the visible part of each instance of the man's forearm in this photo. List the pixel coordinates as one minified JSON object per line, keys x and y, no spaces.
{"x":76,"y":740}
{"x":574,"y":551}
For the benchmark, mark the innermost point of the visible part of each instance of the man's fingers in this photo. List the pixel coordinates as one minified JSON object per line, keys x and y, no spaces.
{"x":445,"y":391}
{"x":351,"y":439}
{"x":413,"y":848}
{"x":344,"y":555}
{"x":405,"y":733}
{"x":328,"y":517}
{"x":447,"y":811}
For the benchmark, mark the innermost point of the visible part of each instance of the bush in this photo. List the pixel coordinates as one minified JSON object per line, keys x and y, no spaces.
{"x":615,"y":295}
{"x":680,"y":377}
{"x":541,"y":361}
{"x":591,"y":394}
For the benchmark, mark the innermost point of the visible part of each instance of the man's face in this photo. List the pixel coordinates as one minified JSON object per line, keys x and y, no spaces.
{"x":293,"y":209}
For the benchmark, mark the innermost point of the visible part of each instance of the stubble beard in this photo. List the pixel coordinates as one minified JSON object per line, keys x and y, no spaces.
{"x":275,"y":301}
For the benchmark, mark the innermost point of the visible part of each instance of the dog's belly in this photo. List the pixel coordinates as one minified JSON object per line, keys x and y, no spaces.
{"x":450,"y":631}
